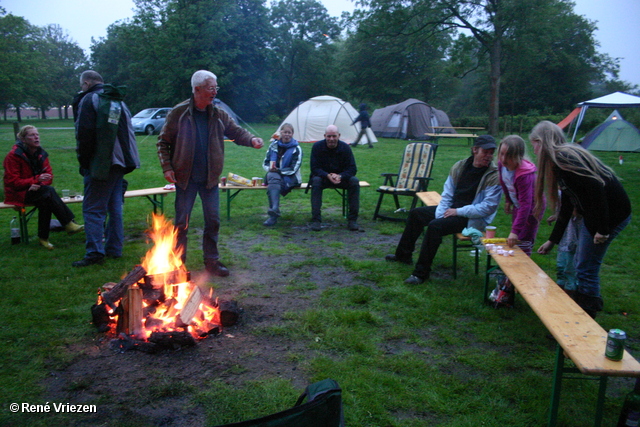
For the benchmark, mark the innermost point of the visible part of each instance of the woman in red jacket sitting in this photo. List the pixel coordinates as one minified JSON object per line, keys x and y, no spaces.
{"x":27,"y":181}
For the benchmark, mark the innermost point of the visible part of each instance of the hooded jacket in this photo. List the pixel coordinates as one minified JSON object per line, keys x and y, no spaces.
{"x":104,"y":133}
{"x":524,"y":180}
{"x":21,"y":171}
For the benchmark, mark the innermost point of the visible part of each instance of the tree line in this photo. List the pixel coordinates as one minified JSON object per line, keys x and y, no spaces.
{"x":466,"y":57}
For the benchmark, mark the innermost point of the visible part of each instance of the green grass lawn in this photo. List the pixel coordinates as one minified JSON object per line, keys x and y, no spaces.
{"x":404,"y":356}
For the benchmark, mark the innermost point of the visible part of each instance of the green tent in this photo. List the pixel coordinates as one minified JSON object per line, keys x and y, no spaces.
{"x":614,"y":134}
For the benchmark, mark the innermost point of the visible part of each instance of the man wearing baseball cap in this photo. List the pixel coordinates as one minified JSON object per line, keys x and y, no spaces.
{"x":470,"y":198}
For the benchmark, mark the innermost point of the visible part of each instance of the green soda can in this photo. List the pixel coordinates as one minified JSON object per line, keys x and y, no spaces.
{"x":615,"y":344}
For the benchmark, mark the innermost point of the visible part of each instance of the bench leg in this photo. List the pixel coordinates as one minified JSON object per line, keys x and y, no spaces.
{"x":455,"y":256}
{"x":557,"y":384}
{"x":600,"y":404}
{"x":23,"y":219}
{"x":158,"y":203}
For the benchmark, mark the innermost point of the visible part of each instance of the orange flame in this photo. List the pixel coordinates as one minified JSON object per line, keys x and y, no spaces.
{"x":164,"y":262}
{"x":163,"y":257}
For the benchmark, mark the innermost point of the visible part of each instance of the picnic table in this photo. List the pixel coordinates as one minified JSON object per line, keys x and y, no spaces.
{"x":439,"y":129}
{"x":436,"y":137}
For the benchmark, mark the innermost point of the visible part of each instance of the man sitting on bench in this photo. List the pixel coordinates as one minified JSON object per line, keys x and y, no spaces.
{"x":333,"y":165}
{"x":470,"y":198}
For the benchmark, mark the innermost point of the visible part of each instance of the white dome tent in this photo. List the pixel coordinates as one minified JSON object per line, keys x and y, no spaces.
{"x":311,"y":118}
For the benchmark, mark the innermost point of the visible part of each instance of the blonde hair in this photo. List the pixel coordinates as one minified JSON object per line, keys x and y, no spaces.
{"x":555,"y":153}
{"x":516,"y":149}
{"x":24,"y":130}
{"x":287,"y":125}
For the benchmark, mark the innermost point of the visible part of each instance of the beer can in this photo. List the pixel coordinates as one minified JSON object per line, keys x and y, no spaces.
{"x":615,"y":344}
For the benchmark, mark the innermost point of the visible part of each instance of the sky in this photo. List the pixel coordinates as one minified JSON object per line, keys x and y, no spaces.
{"x":617,"y":22}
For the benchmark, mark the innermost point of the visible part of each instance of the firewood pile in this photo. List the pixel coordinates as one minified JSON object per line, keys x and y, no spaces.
{"x":152,"y":313}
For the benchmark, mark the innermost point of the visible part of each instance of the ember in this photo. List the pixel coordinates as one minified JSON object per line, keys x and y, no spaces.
{"x":157,"y":305}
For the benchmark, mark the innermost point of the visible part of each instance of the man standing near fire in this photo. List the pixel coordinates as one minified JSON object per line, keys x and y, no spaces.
{"x":191,"y":152}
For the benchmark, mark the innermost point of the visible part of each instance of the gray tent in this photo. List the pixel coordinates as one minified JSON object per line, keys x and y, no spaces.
{"x":410,"y":119}
{"x":614,"y":134}
{"x":226,"y":108}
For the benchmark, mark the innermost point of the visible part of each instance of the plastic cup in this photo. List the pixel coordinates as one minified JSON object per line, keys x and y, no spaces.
{"x":490,"y":232}
{"x":65,"y":194}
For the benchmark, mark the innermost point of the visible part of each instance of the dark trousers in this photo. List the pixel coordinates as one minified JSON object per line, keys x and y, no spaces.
{"x":48,"y":202}
{"x":419,"y":218}
{"x":318,"y":184}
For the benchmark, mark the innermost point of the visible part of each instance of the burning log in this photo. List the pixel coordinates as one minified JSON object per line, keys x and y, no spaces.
{"x":190,"y":308}
{"x":229,"y":312}
{"x":172,"y":339}
{"x":133,"y":309}
{"x":118,"y":291}
{"x":100,"y":317}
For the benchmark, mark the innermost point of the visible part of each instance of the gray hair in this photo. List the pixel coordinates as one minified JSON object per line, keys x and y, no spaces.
{"x":199,"y":77}
{"x":91,"y":76}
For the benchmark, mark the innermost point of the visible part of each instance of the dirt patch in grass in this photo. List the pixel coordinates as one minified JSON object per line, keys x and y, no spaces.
{"x":155,"y":389}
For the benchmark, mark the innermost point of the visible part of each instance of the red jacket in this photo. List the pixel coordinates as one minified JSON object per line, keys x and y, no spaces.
{"x":20,"y":173}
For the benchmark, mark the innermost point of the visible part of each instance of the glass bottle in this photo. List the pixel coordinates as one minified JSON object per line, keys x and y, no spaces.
{"x":630,"y":414}
{"x":15,"y":231}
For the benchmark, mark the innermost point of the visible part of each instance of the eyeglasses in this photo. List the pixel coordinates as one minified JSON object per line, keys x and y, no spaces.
{"x":213,"y":89}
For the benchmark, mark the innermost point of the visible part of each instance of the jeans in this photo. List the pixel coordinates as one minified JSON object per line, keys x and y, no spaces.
{"x":48,"y":202}
{"x":566,"y":270}
{"x":589,"y":256}
{"x":185,"y":198}
{"x":318,"y":184}
{"x":436,"y":230}
{"x":103,"y":201}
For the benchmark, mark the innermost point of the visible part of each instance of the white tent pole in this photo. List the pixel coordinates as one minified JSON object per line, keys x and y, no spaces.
{"x":579,"y":122}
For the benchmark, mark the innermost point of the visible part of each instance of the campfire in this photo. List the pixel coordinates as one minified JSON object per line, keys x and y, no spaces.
{"x":156,"y":305}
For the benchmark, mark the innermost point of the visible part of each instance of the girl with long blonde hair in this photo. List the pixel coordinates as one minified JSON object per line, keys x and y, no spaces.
{"x":590,"y":188}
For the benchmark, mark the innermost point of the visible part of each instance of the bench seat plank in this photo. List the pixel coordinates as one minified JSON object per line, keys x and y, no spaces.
{"x":429,"y":198}
{"x":580,"y":336}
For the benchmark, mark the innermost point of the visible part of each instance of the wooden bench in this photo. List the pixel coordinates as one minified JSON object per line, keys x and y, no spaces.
{"x":233,"y":190}
{"x":579,"y":337}
{"x":438,"y":136}
{"x":154,"y":195}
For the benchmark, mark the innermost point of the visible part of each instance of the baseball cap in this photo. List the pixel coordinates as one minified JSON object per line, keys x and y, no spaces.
{"x":485,"y":141}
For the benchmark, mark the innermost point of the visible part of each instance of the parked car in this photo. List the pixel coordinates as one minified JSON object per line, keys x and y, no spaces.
{"x":150,"y":120}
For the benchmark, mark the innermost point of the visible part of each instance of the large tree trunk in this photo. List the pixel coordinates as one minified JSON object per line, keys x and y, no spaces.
{"x":495,"y":73}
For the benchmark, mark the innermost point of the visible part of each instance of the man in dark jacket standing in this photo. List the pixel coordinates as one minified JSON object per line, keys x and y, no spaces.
{"x":191,"y":152}
{"x":107,"y":150}
{"x":365,"y":123}
{"x":333,"y":165}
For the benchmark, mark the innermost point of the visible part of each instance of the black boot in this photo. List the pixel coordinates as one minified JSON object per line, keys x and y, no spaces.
{"x":589,"y":303}
{"x":273,"y":194}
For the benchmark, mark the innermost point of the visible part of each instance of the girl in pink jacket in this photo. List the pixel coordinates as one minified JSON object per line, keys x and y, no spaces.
{"x":518,"y":179}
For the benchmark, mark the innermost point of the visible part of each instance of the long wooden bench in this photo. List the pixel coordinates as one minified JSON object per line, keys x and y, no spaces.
{"x":579,"y":337}
{"x":154,"y":195}
{"x":233,"y":190}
